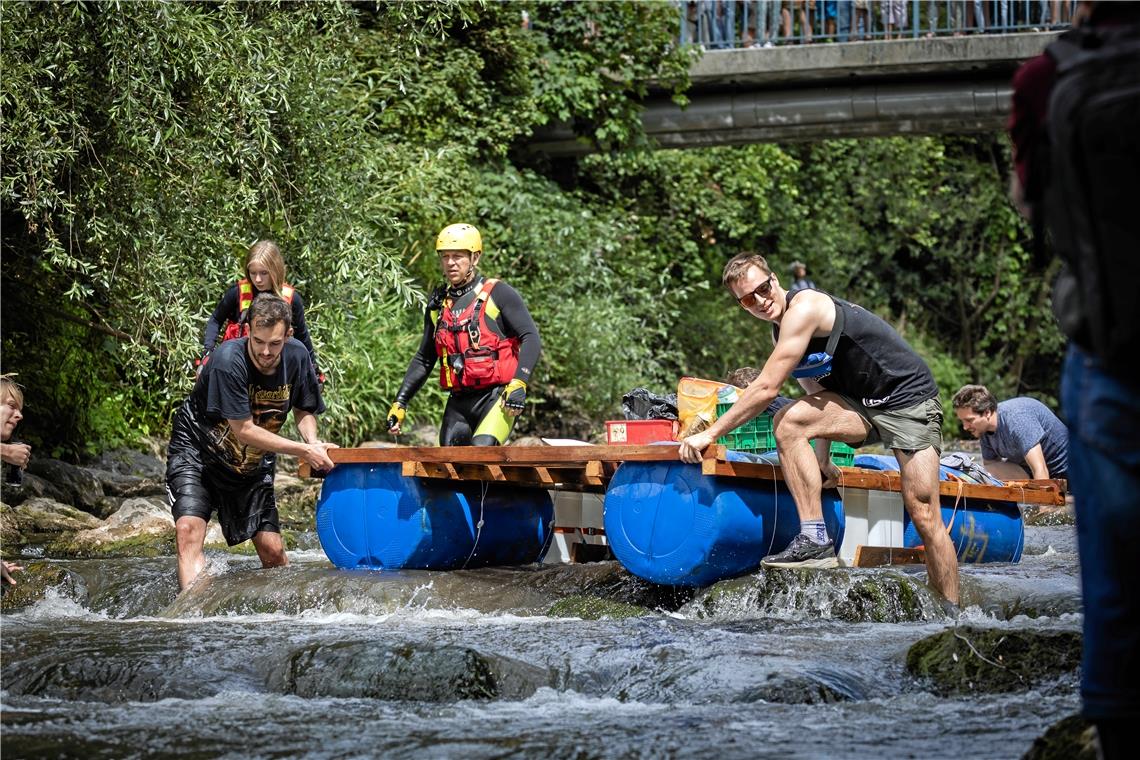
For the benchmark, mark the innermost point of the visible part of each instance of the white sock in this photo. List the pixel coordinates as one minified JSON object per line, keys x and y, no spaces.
{"x":816,"y":530}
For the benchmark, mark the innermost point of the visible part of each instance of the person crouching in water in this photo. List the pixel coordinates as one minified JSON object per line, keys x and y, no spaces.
{"x":264,"y":273}
{"x":480,"y":332}
{"x":225,"y":439}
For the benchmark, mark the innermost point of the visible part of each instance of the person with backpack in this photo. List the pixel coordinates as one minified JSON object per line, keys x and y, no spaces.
{"x":264,"y":273}
{"x":482,"y":336}
{"x":1075,"y":128}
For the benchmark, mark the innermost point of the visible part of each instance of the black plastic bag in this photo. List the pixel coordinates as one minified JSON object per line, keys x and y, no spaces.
{"x":643,"y":404}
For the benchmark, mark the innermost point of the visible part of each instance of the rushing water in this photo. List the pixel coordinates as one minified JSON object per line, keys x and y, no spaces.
{"x":316,"y":662}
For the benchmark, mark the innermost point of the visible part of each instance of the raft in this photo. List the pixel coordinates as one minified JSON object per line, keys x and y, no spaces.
{"x":665,"y":521}
{"x":370,"y":516}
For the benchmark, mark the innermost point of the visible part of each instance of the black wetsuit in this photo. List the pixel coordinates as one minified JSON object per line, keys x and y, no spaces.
{"x":872,"y":362}
{"x":207,"y":467}
{"x":227,"y":311}
{"x":467,"y":408}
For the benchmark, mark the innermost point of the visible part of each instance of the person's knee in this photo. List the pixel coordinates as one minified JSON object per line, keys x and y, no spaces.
{"x":270,"y":549}
{"x":190,"y":533}
{"x":790,"y":423}
{"x":484,"y":439}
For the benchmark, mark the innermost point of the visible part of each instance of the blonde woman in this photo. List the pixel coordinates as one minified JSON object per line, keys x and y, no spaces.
{"x":264,"y":273}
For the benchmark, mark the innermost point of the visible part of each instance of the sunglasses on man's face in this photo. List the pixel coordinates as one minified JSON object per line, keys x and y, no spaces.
{"x":763,"y":290}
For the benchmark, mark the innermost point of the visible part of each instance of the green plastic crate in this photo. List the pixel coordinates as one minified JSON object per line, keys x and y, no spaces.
{"x":842,"y":455}
{"x":754,"y":436}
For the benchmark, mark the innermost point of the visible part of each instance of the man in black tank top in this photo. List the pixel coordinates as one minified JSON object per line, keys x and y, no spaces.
{"x":864,"y":384}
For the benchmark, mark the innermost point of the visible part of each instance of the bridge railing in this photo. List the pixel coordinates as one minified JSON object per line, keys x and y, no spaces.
{"x":728,"y":24}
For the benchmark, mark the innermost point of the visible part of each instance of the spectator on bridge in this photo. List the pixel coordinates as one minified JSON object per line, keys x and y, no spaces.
{"x":894,"y":16}
{"x":767,"y":23}
{"x":830,"y":16}
{"x":805,"y":7}
{"x":862,"y":14}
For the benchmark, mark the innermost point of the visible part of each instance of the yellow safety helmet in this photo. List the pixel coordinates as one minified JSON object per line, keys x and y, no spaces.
{"x":459,"y":237}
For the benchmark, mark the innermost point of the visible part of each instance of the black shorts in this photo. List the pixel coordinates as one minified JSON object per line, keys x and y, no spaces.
{"x":245,"y":504}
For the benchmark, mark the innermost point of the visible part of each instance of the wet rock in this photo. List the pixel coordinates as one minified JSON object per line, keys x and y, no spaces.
{"x":966,"y":660}
{"x":109,"y":505}
{"x":130,"y":463}
{"x":34,"y":487}
{"x":1041,"y":514}
{"x":1072,"y":738}
{"x":595,"y":608}
{"x":40,"y":515}
{"x":9,"y":526}
{"x":140,"y":528}
{"x":297,"y":500}
{"x":31,"y":584}
{"x":796,"y":689}
{"x":82,"y":489}
{"x":128,"y":485}
{"x":852,"y":595}
{"x":376,"y":671}
{"x":611,"y":582}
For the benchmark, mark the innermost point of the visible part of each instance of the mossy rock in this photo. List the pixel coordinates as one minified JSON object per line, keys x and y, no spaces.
{"x":1071,"y":738}
{"x":968,"y":660}
{"x":31,"y":584}
{"x":151,"y":545}
{"x":595,"y":608}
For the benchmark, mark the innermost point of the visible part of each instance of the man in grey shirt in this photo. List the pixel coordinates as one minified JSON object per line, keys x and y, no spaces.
{"x":1020,"y":431}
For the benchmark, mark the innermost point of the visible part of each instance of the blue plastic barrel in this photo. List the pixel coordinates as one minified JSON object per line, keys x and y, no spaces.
{"x":371,"y":516}
{"x":983,"y":530}
{"x":669,"y":524}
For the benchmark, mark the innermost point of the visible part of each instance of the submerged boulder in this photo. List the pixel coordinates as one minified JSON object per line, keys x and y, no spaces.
{"x":966,"y":660}
{"x":32,"y":583}
{"x":1071,"y":738}
{"x":595,"y":608}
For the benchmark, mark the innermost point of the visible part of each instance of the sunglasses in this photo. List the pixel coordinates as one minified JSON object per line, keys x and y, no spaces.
{"x":763,"y":290}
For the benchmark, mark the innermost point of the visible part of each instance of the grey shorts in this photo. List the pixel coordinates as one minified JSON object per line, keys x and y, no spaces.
{"x":911,"y":429}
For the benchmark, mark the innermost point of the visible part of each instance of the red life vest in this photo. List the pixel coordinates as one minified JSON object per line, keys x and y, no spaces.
{"x":468,"y":341}
{"x":239,"y":328}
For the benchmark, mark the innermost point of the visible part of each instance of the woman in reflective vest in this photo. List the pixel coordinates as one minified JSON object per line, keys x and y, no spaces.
{"x":486,"y":343}
{"x":264,"y":272}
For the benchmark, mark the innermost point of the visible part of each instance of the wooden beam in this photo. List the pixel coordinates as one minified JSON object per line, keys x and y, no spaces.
{"x":564,"y":479}
{"x":1027,"y":492}
{"x":544,"y":455}
{"x":878,"y":556}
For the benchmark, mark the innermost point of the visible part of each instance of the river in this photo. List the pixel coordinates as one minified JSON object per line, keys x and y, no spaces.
{"x":310,"y":661}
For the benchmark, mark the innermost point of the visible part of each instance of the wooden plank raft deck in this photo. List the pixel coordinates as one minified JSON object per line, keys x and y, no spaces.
{"x":589,"y":469}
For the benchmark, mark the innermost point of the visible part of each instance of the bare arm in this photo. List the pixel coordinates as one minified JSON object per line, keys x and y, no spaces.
{"x":799,"y":324}
{"x":312,"y":451}
{"x":1035,"y":459}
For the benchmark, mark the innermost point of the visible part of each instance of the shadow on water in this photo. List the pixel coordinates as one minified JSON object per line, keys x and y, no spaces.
{"x":562,"y":661}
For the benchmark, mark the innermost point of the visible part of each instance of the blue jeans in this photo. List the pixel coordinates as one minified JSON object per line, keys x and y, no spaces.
{"x":1103,"y":414}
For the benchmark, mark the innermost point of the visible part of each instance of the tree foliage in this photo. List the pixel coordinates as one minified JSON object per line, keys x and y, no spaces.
{"x":145,"y":145}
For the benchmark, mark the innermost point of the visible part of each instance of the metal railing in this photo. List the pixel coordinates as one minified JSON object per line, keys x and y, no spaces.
{"x":728,"y":24}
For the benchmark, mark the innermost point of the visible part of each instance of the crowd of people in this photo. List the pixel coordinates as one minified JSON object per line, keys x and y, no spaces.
{"x":725,"y":24}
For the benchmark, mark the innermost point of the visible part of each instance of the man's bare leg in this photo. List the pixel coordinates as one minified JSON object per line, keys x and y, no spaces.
{"x":814,"y":416}
{"x":919,"y":471}
{"x":190,"y":533}
{"x":270,"y":549}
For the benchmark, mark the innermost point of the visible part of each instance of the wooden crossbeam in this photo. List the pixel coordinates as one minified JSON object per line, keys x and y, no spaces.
{"x":563,"y":478}
{"x":541,"y":455}
{"x":1046,"y":492}
{"x":878,"y":556}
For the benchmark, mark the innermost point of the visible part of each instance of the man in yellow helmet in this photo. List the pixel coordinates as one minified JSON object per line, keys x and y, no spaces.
{"x":486,"y":343}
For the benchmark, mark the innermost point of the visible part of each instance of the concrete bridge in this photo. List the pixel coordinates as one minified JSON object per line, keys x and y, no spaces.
{"x":821,"y":91}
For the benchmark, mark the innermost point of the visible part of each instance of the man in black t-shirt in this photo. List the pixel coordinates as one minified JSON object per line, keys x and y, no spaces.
{"x":224,"y":440}
{"x":864,"y":385}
